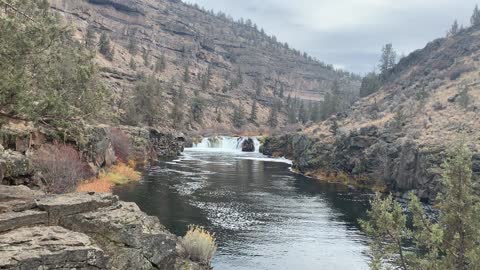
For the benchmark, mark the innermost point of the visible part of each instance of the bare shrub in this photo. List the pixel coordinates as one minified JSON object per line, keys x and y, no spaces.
{"x":121,"y":145}
{"x":457,"y":71}
{"x":61,"y":167}
{"x":199,"y":245}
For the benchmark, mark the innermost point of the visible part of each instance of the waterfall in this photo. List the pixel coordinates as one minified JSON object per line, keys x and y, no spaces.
{"x":224,"y":144}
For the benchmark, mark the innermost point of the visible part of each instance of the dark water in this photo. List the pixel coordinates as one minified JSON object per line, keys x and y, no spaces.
{"x":264,"y":216}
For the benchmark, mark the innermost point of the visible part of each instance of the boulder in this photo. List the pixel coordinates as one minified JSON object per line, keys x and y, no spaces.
{"x":131,"y":239}
{"x":248,"y":145}
{"x":14,"y":220}
{"x":59,"y":206}
{"x":17,"y":198}
{"x":49,"y":248}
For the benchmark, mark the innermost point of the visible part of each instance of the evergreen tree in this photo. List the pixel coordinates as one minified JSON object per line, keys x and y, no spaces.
{"x":370,"y":84}
{"x":105,"y":47}
{"x":387,"y":61}
{"x":45,"y":74}
{"x":133,"y":64}
{"x":148,"y":101}
{"x":282,"y":91}
{"x":132,"y":45}
{"x":238,"y":116}
{"x":253,"y":112}
{"x":258,"y":86}
{"x":273,"y":117}
{"x":90,"y":37}
{"x":315,"y":115}
{"x":197,"y":108}
{"x":475,"y":19}
{"x":302,"y":113}
{"x":177,"y":114}
{"x":454,"y":29}
{"x":146,"y":57}
{"x":449,"y":243}
{"x":186,"y":74}
{"x":161,"y":64}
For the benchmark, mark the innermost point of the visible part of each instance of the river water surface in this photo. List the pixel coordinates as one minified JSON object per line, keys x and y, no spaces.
{"x":264,"y":216}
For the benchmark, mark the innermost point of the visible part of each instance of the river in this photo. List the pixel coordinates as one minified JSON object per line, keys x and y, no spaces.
{"x":264,"y":216}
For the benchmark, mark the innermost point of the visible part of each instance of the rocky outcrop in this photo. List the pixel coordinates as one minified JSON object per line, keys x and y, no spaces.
{"x":370,"y":157}
{"x":81,"y":231}
{"x":248,"y":145}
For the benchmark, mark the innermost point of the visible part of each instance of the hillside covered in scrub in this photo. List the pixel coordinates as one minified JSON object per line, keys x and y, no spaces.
{"x":207,"y":69}
{"x":397,"y":136}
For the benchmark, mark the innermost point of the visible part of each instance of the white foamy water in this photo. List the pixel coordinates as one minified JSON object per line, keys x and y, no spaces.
{"x":223,"y":144}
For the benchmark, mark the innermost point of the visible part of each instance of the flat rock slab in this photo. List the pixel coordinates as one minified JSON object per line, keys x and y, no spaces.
{"x":17,"y":198}
{"x":49,"y":248}
{"x":14,"y":220}
{"x":75,"y":203}
{"x":131,"y":239}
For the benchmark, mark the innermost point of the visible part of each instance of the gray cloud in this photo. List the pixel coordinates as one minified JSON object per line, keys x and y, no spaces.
{"x":350,"y":33}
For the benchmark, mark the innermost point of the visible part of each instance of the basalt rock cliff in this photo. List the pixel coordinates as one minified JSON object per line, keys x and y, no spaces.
{"x":244,"y":63}
{"x":398,"y":136}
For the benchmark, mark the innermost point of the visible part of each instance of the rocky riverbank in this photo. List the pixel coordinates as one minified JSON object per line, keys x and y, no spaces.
{"x":369,"y":157}
{"x":81,"y":231}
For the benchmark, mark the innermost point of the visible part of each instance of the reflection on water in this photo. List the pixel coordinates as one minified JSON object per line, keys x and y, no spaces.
{"x":264,"y":216}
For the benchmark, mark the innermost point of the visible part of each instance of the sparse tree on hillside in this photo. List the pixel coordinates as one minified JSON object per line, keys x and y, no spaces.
{"x":132,"y":45}
{"x":387,"y":61}
{"x":302,"y":113}
{"x":273,"y":117}
{"x":282,"y":91}
{"x":370,"y":84}
{"x":90,"y":37}
{"x":148,"y":101}
{"x":197,"y":108}
{"x":133,"y":64}
{"x":454,"y":29}
{"x":238,"y":116}
{"x":258,"y":86}
{"x":177,"y":114}
{"x":146,"y":57}
{"x":253,"y":112}
{"x":161,"y":64}
{"x":315,"y":115}
{"x":105,"y":47}
{"x":186,"y":74}
{"x":475,"y":19}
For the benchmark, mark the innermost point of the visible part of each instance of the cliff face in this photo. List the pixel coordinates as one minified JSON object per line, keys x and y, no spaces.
{"x":187,"y":36}
{"x":398,"y":136}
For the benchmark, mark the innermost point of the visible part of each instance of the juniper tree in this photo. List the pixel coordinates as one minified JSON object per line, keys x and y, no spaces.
{"x":273,"y":117}
{"x":177,"y":114}
{"x":105,"y":47}
{"x":453,"y":29}
{"x":197,"y":108}
{"x":449,"y":243}
{"x":475,"y":19}
{"x":148,"y":100}
{"x":253,"y":112}
{"x":387,"y":61}
{"x":370,"y":84}
{"x":146,"y":57}
{"x":186,"y":74}
{"x":133,"y":64}
{"x":132,"y":45}
{"x":238,"y":117}
{"x":45,"y":74}
{"x":160,"y":64}
{"x":90,"y":37}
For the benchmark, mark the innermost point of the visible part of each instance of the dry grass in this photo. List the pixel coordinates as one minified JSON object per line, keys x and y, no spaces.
{"x":118,"y":175}
{"x":199,"y":244}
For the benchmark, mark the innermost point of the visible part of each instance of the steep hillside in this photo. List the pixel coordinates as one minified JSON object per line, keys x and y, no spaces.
{"x":241,"y":59}
{"x":397,"y":136}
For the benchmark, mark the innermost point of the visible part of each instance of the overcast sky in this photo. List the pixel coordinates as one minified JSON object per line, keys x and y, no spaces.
{"x":350,"y":33}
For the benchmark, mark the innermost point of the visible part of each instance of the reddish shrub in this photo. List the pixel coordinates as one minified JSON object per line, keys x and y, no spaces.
{"x":61,"y":167}
{"x":121,"y":145}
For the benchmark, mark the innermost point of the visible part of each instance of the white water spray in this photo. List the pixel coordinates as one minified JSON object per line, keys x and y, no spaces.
{"x":224,"y":144}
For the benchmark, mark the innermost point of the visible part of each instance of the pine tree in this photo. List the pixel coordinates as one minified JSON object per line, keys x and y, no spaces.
{"x":90,"y":37}
{"x":177,"y":114}
{"x":132,"y":45}
{"x":133,"y":64}
{"x":197,"y":108}
{"x":148,"y":100}
{"x":449,"y":243}
{"x":475,"y":19}
{"x":273,"y":117}
{"x":282,"y":91}
{"x":146,"y":57}
{"x":253,"y":112}
{"x":105,"y":47}
{"x":454,"y":29}
{"x":161,"y":64}
{"x":387,"y":61}
{"x":315,"y":115}
{"x":238,"y":116}
{"x":186,"y":74}
{"x":302,"y":113}
{"x":370,"y":84}
{"x":258,"y":86}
